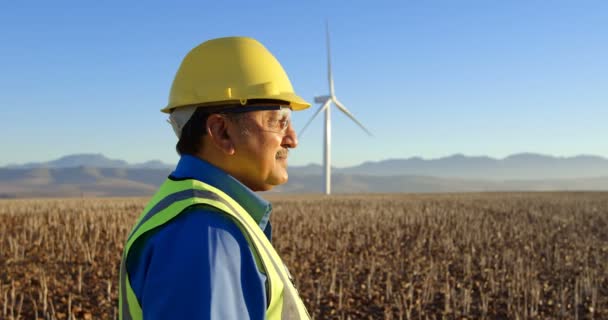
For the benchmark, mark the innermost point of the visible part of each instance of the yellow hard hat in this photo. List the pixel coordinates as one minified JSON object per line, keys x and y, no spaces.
{"x":233,"y":70}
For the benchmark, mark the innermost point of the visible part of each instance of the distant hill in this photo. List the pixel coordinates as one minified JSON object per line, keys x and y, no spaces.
{"x":526,"y":166}
{"x":90,"y":160}
{"x":80,"y":181}
{"x":96,"y":175}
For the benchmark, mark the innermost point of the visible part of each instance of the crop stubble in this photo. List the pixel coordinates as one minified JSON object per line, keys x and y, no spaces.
{"x":474,"y":256}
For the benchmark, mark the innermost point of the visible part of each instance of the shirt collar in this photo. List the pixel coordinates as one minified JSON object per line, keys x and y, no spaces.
{"x":193,"y":167}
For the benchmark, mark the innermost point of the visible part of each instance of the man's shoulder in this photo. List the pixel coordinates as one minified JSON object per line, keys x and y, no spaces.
{"x":200,"y":219}
{"x":189,"y":229}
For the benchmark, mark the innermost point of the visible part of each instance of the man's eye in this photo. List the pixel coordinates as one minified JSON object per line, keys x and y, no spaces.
{"x":273,"y":123}
{"x":280,"y":124}
{"x":283,"y":124}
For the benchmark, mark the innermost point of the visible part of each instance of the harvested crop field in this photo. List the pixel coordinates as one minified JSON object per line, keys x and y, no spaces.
{"x":453,"y":256}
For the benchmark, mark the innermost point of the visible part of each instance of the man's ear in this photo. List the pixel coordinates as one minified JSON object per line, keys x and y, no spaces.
{"x":217,"y":129}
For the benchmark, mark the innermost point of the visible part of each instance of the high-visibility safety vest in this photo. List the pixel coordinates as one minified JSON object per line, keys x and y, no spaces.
{"x":173,"y":198}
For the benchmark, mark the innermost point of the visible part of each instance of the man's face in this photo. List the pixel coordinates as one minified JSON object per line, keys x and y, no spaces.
{"x":262,"y":140}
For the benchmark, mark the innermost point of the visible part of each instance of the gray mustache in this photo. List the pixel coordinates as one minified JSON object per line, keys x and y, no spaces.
{"x":282,"y":154}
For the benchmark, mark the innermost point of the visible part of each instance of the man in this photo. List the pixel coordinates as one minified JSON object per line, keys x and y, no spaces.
{"x":201,"y":248}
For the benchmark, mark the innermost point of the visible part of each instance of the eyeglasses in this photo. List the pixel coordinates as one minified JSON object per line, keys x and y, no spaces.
{"x":278,"y":123}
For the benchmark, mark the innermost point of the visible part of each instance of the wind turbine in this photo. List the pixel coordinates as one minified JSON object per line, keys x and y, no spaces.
{"x":326,"y":102}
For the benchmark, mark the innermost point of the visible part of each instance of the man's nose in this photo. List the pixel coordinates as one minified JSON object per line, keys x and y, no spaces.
{"x":290,"y":140}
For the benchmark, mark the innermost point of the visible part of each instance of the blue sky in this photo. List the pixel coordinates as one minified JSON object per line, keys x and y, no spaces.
{"x":428,"y":78}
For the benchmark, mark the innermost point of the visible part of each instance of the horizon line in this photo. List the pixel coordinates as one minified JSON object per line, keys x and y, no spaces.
{"x":12,"y":165}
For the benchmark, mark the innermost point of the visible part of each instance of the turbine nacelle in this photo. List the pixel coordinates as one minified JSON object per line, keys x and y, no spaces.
{"x":322,"y":99}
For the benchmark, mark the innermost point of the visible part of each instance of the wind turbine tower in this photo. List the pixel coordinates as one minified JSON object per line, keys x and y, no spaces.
{"x":326,"y":102}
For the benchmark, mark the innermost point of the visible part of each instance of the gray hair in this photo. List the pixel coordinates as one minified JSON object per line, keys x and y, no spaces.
{"x":180,"y":116}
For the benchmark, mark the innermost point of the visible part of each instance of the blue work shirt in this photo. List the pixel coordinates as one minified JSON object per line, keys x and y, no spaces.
{"x":199,"y":265}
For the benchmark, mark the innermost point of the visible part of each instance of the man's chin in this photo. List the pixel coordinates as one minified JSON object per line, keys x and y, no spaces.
{"x":278,"y":180}
{"x":271,"y":182}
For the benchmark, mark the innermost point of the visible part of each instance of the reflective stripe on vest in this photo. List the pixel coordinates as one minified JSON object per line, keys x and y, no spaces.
{"x":174,"y":197}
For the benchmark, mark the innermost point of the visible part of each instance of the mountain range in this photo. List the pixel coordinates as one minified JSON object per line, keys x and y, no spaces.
{"x":97,"y":175}
{"x":97,"y":160}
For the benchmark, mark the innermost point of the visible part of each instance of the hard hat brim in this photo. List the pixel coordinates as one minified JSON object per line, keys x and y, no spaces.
{"x":291,"y":99}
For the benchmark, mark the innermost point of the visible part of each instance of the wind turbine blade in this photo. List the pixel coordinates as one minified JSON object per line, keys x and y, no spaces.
{"x":325,"y":105}
{"x":350,"y":115}
{"x":330,"y":78}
